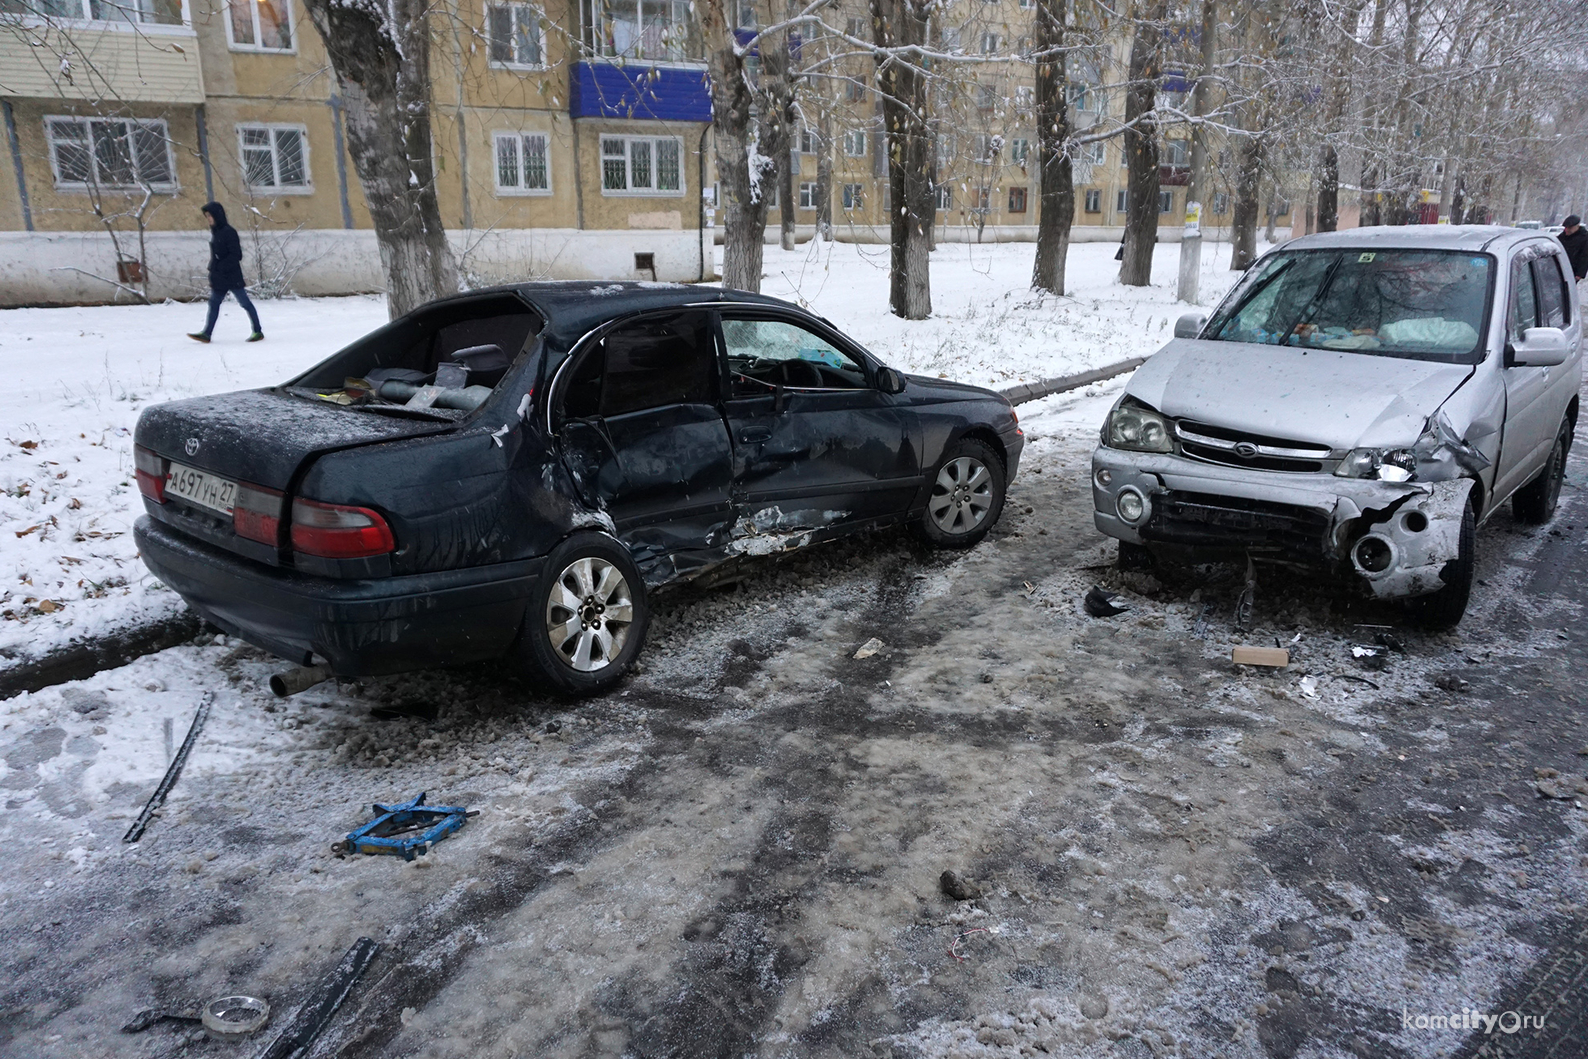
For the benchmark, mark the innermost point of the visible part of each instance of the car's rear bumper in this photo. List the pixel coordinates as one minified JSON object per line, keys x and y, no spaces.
{"x":361,"y":627}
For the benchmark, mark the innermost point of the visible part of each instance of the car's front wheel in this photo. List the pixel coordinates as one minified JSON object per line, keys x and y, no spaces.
{"x":587,"y":617}
{"x":1535,"y":502}
{"x":967,"y":496}
{"x":1444,"y":609}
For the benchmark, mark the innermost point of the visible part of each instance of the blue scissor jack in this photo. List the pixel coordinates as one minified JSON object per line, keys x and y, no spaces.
{"x":421,"y":826}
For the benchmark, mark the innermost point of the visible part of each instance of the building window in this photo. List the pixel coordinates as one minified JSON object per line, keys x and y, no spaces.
{"x":947,"y":147}
{"x":140,"y":12}
{"x":951,"y":38}
{"x":945,"y":197}
{"x":1165,"y":202}
{"x":109,"y":153}
{"x":854,"y":91}
{"x":1095,"y":152}
{"x":1094,"y":200}
{"x":1177,"y":153}
{"x":808,"y":196}
{"x":1026,"y":97}
{"x":990,"y":43}
{"x":855,"y":144}
{"x":253,"y":25}
{"x":638,"y":165}
{"x":986,"y":98}
{"x":887,"y":199}
{"x":1221,"y":203}
{"x":1019,"y":150}
{"x":810,"y":143}
{"x":1017,"y":200}
{"x":522,"y":163}
{"x":852,"y":196}
{"x":987,"y":148}
{"x":643,"y":29}
{"x":1122,"y":204}
{"x":516,"y":35}
{"x":856,"y":27}
{"x":275,"y":157}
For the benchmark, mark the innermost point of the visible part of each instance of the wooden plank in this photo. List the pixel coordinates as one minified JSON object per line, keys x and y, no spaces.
{"x":1260,"y":656}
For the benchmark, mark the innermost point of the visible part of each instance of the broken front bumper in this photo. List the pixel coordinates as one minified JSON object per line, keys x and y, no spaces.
{"x":1396,"y":536}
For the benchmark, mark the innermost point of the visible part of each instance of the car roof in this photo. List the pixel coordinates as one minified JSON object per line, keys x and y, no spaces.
{"x":1421,"y":237}
{"x":572,"y":309}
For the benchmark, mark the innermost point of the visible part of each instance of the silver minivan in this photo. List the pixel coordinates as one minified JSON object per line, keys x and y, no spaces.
{"x":1359,"y":403}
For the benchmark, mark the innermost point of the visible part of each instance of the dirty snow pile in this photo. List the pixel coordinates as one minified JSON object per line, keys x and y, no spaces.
{"x":80,"y":377}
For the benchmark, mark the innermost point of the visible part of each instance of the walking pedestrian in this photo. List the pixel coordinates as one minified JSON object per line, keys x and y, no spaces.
{"x":226,"y":273}
{"x":1575,"y":240}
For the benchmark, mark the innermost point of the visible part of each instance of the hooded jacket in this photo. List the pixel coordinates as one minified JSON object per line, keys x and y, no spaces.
{"x":1576,"y":245}
{"x":226,"y":251}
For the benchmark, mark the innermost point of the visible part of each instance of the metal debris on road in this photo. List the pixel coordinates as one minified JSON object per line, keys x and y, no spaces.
{"x":172,"y":773}
{"x":869,"y":648}
{"x":431,"y":822}
{"x":1100,"y":604}
{"x":231,"y":1018}
{"x":322,"y":1002}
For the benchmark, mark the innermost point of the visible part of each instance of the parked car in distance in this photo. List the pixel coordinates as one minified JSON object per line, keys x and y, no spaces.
{"x":508,"y":472}
{"x":1359,"y":402}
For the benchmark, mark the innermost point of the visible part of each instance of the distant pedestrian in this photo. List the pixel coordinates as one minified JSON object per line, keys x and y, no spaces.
{"x":1575,"y":240}
{"x":226,"y":273}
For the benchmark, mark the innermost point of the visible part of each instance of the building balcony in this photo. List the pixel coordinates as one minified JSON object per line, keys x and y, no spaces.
{"x":81,"y":59}
{"x":638,"y":91}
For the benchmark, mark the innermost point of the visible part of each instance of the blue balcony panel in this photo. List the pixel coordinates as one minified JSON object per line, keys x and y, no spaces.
{"x":650,"y":93}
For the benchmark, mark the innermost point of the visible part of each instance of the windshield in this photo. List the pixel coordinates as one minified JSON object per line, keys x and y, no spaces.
{"x":1418,"y":304}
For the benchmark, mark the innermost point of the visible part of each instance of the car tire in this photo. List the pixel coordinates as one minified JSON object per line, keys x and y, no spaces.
{"x":573,"y":638}
{"x":1444,"y":609}
{"x":1535,"y":502}
{"x":966,"y":497}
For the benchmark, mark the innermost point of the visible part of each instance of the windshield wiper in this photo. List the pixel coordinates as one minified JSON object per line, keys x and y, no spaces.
{"x":1317,"y":300}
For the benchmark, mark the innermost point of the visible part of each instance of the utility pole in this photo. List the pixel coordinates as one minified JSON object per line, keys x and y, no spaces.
{"x":1191,"y":239}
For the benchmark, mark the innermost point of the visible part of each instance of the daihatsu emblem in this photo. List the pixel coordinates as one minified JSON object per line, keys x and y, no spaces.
{"x":191,"y":446}
{"x":1244,"y":449}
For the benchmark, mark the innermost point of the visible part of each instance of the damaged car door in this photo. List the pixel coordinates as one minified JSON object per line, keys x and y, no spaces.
{"x":1533,"y":414}
{"x":816,"y":442}
{"x":642,"y":435}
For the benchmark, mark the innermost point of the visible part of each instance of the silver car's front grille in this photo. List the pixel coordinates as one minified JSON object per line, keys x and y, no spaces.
{"x":1235,"y":448}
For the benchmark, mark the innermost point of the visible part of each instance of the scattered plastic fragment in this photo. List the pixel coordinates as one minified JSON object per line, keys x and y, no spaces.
{"x":1100,"y":604}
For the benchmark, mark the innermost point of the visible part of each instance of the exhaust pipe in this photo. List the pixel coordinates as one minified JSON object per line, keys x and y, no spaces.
{"x":298,"y":678}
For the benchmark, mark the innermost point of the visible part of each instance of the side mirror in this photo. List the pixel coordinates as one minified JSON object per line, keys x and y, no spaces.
{"x":1190,"y":325}
{"x":889,"y":380}
{"x":1540,"y":347}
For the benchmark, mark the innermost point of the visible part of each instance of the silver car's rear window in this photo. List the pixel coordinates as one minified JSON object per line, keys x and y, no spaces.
{"x":1417,"y":304}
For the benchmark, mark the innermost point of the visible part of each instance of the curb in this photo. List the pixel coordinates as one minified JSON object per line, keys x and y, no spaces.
{"x":1031,"y":391}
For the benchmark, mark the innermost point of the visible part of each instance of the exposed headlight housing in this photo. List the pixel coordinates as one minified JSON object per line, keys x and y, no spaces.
{"x":1137,"y":428}
{"x":1385,"y":465}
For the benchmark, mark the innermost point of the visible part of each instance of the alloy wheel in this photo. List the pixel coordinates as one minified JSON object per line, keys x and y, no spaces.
{"x":962,"y":495}
{"x":589,"y":614}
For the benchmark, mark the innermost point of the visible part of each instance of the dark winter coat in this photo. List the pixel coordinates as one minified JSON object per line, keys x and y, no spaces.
{"x":226,"y":251}
{"x":1576,"y":245}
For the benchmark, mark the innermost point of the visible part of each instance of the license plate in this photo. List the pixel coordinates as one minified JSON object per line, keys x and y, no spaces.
{"x":202,"y":488}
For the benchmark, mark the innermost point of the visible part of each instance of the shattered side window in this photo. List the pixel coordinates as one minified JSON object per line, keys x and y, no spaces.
{"x":1418,"y":304}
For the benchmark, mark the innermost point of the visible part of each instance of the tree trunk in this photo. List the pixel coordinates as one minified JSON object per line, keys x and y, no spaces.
{"x":1329,"y":190}
{"x":1243,"y":220}
{"x":1372,"y":171}
{"x":903,"y":87}
{"x":1339,"y":96}
{"x":743,"y":205}
{"x":380,"y":53}
{"x":1458,"y":202}
{"x":778,"y":110}
{"x":1141,"y":148}
{"x":824,"y":173}
{"x":1057,"y":195}
{"x":1190,"y":285}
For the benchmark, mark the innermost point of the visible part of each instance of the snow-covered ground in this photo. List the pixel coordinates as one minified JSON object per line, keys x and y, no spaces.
{"x":79,"y":377}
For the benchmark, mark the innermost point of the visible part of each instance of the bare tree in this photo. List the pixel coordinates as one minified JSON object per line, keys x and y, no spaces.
{"x":1141,"y":144}
{"x":899,"y":28}
{"x":741,"y":166}
{"x":1053,"y":135}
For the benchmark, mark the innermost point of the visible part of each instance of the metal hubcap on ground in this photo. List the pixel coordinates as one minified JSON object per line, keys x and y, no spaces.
{"x":962,"y":495}
{"x":589,"y":614}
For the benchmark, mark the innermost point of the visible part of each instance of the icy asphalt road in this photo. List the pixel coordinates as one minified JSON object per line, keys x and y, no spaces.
{"x":738,"y":853}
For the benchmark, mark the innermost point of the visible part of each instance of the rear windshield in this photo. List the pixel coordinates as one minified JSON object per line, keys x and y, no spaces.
{"x":1416,"y":304}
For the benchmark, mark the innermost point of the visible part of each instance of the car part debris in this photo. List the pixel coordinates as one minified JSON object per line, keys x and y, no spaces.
{"x":1357,"y":679}
{"x":957,"y":886}
{"x":1370,"y":656}
{"x":432,"y":822}
{"x":1277,"y":657}
{"x":1248,"y":600}
{"x":172,"y":773}
{"x":1100,"y":604}
{"x":149,"y":1016}
{"x":231,"y":1018}
{"x":869,"y":648}
{"x":298,"y":678}
{"x":322,"y":1002}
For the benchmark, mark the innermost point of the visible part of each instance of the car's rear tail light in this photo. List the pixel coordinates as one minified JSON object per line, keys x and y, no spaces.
{"x":337,"y":531}
{"x":256,"y":514}
{"x":150,"y":471}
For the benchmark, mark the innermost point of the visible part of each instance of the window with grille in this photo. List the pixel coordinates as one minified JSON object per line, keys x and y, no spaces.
{"x":642,"y":165}
{"x":109,"y":153}
{"x":275,"y":157}
{"x":254,"y":25}
{"x":523,"y":163}
{"x":517,"y":36}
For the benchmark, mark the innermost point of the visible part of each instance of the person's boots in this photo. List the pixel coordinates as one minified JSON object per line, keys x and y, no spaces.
{"x":199,"y":336}
{"x":257,"y":336}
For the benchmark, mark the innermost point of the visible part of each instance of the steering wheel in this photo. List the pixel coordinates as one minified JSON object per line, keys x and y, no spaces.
{"x":811,"y":376}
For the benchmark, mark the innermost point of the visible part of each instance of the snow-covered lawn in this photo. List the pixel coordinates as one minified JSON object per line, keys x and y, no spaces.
{"x":77,"y":379}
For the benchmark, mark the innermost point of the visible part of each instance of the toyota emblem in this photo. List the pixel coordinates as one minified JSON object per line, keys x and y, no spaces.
{"x":191,"y":446}
{"x":1244,"y":449}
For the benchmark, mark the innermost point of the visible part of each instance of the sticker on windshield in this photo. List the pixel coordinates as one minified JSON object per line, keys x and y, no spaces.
{"x":1365,"y":258}
{"x":1478,"y":262}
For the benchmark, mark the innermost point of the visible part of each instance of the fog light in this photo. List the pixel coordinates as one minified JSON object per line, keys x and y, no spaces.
{"x":1373,"y":554}
{"x":1131,"y":505}
{"x":1104,"y":476}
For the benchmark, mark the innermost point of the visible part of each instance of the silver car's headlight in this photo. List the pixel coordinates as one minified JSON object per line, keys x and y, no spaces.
{"x":1386,"y":465}
{"x":1137,"y":428}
